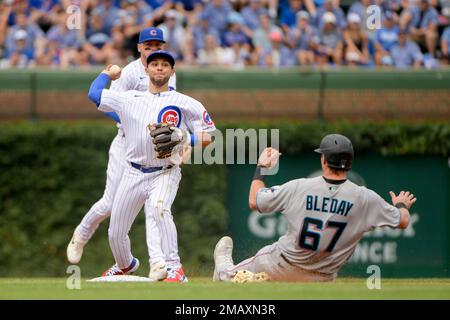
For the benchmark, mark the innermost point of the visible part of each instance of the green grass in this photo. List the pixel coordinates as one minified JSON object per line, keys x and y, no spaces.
{"x":204,"y":288}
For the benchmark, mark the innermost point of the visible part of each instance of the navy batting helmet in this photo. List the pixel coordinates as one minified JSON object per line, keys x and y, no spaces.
{"x":338,"y":151}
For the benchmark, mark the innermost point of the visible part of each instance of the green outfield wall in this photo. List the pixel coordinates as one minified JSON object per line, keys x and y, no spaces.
{"x":298,"y":94}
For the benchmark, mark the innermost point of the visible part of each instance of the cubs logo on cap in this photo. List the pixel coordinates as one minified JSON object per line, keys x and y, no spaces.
{"x":170,"y":115}
{"x":207,"y":119}
{"x":149,"y":34}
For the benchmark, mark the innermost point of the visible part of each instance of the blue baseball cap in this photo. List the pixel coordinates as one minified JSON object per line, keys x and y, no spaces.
{"x":159,"y":54}
{"x":149,"y":34}
{"x":389,"y":15}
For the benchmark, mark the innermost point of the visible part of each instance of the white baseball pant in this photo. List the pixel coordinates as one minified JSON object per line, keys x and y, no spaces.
{"x":157,"y":190}
{"x":103,"y":207}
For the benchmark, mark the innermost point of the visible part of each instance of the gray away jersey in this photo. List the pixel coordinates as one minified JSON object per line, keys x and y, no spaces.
{"x":325,"y":221}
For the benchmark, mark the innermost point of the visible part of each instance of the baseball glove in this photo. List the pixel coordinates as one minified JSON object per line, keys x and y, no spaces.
{"x":166,"y":137}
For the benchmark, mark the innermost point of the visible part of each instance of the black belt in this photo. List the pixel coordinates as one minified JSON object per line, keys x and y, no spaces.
{"x":147,"y":169}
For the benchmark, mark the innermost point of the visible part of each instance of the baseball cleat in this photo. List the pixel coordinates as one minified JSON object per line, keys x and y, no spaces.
{"x":75,"y":248}
{"x":158,"y":271}
{"x":223,"y":256}
{"x":116,"y":271}
{"x":175,"y":275}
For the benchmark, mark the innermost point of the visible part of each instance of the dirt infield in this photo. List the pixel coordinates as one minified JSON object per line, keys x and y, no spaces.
{"x":253,"y":104}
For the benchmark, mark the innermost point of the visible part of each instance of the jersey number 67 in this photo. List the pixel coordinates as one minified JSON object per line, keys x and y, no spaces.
{"x":310,"y":239}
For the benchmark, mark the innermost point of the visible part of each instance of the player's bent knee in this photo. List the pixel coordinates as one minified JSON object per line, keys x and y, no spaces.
{"x":156,"y":211}
{"x":104,"y":207}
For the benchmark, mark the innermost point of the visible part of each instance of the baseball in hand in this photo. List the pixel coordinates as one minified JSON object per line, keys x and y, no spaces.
{"x":269,"y":158}
{"x":114,"y":71}
{"x":115,"y":68}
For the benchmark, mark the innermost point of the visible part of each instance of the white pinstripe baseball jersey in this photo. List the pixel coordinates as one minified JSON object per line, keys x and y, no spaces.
{"x":139,"y":109}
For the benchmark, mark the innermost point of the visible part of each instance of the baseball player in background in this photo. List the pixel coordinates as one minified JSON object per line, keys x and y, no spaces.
{"x":326,"y":215}
{"x":150,"y":177}
{"x":133,"y":77}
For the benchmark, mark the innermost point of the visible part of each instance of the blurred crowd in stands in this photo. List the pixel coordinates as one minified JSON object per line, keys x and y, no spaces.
{"x":68,"y":34}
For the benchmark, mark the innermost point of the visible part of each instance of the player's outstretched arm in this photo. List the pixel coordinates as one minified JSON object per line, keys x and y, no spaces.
{"x":403,"y":201}
{"x":267,"y":159}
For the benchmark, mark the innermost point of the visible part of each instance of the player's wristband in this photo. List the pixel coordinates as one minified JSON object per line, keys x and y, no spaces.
{"x":258,"y":175}
{"x":194,"y":139}
{"x":400,"y":205}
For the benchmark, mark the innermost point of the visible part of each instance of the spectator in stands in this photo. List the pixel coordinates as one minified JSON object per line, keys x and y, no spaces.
{"x":217,"y":12}
{"x":115,"y":50}
{"x":391,"y":5}
{"x":240,"y":53}
{"x":109,"y":13}
{"x":53,"y":57}
{"x":406,"y":53}
{"x":173,"y":34}
{"x":445,"y":42}
{"x":237,"y":31}
{"x":300,"y":37}
{"x":328,"y":42}
{"x":5,"y":11}
{"x":214,"y":55}
{"x":360,"y":8}
{"x":385,"y":39}
{"x":280,"y":55}
{"x":288,"y":16}
{"x":21,"y":56}
{"x":82,"y":59}
{"x":422,"y":22}
{"x":97,"y":37}
{"x":251,"y":13}
{"x":329,"y":6}
{"x":136,"y":15}
{"x":157,"y":4}
{"x":200,"y":29}
{"x":238,"y":37}
{"x":45,"y":13}
{"x":289,"y":11}
{"x":187,"y":6}
{"x":63,"y":44}
{"x":356,"y":43}
{"x":141,"y":10}
{"x":160,"y":7}
{"x":17,"y":7}
{"x":261,"y":39}
{"x":109,"y":31}
{"x":35,"y":41}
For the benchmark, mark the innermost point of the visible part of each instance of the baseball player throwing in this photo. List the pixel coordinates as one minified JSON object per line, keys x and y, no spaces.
{"x":327,"y":216}
{"x":150,"y":176}
{"x":133,"y":77}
